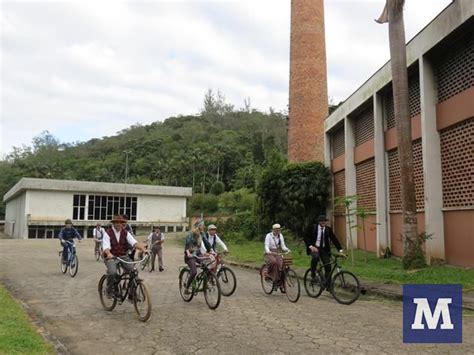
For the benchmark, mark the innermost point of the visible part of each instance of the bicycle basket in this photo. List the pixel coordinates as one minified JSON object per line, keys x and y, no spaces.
{"x":287,"y":260}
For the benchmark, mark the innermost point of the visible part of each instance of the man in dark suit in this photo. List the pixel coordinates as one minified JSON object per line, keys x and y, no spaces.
{"x":318,"y":246}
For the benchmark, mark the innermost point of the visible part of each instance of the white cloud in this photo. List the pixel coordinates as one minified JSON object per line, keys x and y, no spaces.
{"x":84,"y":69}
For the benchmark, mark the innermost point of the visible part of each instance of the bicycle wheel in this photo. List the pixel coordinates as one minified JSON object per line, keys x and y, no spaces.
{"x":227,"y":281}
{"x":345,"y":287}
{"x":183,"y":280}
{"x":108,"y":302}
{"x":266,"y":281}
{"x":142,"y":301}
{"x":73,"y":265}
{"x":313,"y":287}
{"x":149,"y":262}
{"x":212,"y":291}
{"x":62,"y":265}
{"x":292,"y":286}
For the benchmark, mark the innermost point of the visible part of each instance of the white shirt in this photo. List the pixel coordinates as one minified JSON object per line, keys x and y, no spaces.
{"x":98,"y":233}
{"x":106,"y":241}
{"x":271,"y":242}
{"x":319,"y":239}
{"x":219,"y":243}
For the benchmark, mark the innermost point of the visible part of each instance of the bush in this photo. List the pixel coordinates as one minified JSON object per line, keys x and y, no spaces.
{"x":237,"y":201}
{"x":217,"y":188}
{"x":205,"y":203}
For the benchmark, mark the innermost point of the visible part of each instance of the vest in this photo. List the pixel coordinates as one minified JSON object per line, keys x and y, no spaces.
{"x":119,"y":248}
{"x":213,"y":245}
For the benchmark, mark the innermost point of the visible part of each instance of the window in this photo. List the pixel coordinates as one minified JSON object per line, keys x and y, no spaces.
{"x":79,"y":207}
{"x":105,"y":207}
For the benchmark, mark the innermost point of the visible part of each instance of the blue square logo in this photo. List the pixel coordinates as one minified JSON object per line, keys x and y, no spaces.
{"x":432,"y":313}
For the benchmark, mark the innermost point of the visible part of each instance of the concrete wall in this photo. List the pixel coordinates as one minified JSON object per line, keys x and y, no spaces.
{"x":459,"y":238}
{"x":161,"y":209}
{"x":15,"y":217}
{"x":370,"y":233}
{"x":54,"y":206}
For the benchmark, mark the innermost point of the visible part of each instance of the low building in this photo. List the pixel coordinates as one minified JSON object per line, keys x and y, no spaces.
{"x":361,"y":143}
{"x":37,"y":208}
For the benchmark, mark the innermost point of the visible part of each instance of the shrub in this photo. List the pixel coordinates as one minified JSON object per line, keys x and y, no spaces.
{"x":217,"y":188}
{"x":205,"y":203}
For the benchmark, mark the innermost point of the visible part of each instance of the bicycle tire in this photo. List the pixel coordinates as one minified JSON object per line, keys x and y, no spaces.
{"x":62,"y":265}
{"x":227,"y":281}
{"x":313,"y":288}
{"x":212,"y":291}
{"x":267,"y":283}
{"x":142,"y":296}
{"x":74,"y":265}
{"x":345,"y":287}
{"x":292,"y":286}
{"x":107,"y":303}
{"x":183,"y":279}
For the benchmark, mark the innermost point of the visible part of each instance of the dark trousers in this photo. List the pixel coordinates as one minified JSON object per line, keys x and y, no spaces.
{"x":192,"y":263}
{"x":325,"y":258}
{"x":66,"y":248}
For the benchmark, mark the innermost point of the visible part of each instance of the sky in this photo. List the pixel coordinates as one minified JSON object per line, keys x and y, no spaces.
{"x":88,"y":69}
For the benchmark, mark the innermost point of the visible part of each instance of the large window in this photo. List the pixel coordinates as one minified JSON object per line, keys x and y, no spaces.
{"x":79,"y":207}
{"x":105,"y":207}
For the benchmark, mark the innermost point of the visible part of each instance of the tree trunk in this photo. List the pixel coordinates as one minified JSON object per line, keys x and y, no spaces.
{"x":412,"y":247}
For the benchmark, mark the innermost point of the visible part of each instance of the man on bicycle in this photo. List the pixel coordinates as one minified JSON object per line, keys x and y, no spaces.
{"x":116,"y":243}
{"x":98,"y":234}
{"x":274,"y":244}
{"x":192,"y":249}
{"x":319,"y":247}
{"x":214,"y":240}
{"x":67,"y":234}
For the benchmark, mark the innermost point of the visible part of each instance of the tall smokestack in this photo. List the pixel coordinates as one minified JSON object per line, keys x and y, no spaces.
{"x":308,"y":82}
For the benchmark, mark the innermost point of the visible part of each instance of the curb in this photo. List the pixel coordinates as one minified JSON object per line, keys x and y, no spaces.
{"x":369,"y":288}
{"x":37,"y":322}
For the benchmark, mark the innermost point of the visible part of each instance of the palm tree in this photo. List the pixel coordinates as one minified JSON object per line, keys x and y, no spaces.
{"x":393,"y":14}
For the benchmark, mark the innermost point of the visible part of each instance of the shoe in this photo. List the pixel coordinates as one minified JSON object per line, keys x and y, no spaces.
{"x":187,"y":292}
{"x":64,"y":262}
{"x":282,"y":290}
{"x":161,"y":269}
{"x":109,"y":294}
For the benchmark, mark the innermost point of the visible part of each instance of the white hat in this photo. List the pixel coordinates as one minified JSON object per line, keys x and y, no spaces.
{"x":276,"y":226}
{"x":211,"y":226}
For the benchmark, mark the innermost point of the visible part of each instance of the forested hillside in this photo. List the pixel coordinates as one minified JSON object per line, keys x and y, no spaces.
{"x":219,"y":144}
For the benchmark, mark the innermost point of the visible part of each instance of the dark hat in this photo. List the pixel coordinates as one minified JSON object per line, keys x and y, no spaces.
{"x":118,"y":219}
{"x":322,"y":218}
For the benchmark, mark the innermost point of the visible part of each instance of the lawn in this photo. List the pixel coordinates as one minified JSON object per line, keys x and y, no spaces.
{"x":379,"y":270}
{"x":17,"y":335}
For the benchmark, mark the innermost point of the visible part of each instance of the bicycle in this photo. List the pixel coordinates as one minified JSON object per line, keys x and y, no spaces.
{"x":148,"y":263}
{"x":128,"y":286}
{"x":226,"y":277}
{"x":72,"y":261}
{"x":344,"y":285}
{"x":289,"y":281}
{"x":98,"y":252}
{"x":205,"y":281}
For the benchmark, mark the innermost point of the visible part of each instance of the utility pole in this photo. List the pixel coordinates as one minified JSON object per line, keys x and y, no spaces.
{"x":124,"y":208}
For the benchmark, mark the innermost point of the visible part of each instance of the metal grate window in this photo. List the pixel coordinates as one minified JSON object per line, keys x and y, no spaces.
{"x":337,"y":143}
{"x":395,"y":178}
{"x":364,"y":125}
{"x":365,"y":182}
{"x":339,"y":179}
{"x":413,"y":99}
{"x":455,"y":68}
{"x":457,"y":164}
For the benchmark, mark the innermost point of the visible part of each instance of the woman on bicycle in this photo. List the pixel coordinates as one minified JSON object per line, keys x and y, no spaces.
{"x":192,"y":248}
{"x":275,"y":244}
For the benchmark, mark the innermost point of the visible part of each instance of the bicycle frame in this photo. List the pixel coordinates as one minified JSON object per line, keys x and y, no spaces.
{"x":71,"y":253}
{"x":132,"y":277}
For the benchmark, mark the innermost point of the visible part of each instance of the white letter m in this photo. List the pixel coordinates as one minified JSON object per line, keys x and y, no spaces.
{"x":432,"y":319}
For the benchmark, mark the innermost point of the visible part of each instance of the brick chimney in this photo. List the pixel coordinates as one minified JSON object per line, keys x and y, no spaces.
{"x":308,"y":82}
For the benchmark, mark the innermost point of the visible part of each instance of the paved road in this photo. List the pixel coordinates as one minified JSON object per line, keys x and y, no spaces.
{"x":249,"y":322}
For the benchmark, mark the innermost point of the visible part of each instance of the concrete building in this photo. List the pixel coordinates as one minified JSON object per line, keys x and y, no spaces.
{"x":37,"y":208}
{"x":361,"y":143}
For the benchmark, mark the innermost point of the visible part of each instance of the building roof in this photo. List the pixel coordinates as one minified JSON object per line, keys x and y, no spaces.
{"x":453,"y":16}
{"x":93,"y":187}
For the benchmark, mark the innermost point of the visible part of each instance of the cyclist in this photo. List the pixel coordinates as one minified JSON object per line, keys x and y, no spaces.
{"x":274,"y":244}
{"x":319,"y":247}
{"x":214,"y":240}
{"x":116,"y":243}
{"x":98,"y":234}
{"x":67,"y":234}
{"x":192,"y":248}
{"x":156,"y":240}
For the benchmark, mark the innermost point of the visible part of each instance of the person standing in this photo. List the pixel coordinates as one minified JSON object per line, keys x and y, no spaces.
{"x":156,"y":240}
{"x":98,"y":235}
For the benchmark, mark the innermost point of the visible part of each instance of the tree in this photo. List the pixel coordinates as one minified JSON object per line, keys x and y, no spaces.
{"x":393,"y":14}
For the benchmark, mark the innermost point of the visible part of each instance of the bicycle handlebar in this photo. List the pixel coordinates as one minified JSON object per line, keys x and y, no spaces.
{"x":147,"y":255}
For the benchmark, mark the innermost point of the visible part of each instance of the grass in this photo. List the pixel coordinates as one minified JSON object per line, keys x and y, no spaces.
{"x":17,"y":335}
{"x":380,"y":270}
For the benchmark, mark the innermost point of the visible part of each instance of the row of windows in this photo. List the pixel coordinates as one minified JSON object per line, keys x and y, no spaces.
{"x":103,"y":207}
